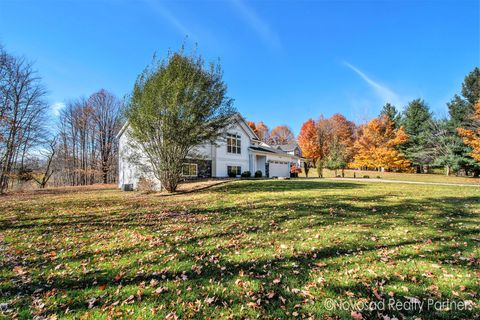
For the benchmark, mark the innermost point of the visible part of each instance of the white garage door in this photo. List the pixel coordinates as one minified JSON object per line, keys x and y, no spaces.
{"x":279,"y":169}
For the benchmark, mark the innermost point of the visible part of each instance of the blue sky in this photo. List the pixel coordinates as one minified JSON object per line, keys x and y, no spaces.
{"x":283,"y":61}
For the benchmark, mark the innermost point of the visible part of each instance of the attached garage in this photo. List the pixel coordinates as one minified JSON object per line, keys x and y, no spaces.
{"x":279,"y":169}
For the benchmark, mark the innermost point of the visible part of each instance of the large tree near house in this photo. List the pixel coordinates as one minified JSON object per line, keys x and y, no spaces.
{"x":177,"y":104}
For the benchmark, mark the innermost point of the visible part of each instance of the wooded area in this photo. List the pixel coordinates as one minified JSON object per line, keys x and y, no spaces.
{"x":80,"y":150}
{"x":409,"y":141}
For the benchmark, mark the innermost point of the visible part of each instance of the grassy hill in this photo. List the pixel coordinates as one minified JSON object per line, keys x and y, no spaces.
{"x":268,"y":249}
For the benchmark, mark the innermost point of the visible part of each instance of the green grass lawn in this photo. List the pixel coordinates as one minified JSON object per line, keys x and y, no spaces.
{"x":417,"y":177}
{"x":266,"y":249}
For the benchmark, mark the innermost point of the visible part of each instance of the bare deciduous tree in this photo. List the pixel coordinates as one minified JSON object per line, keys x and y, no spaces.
{"x":43,"y":176}
{"x":106,"y":116}
{"x":87,"y":140}
{"x":22,"y":109}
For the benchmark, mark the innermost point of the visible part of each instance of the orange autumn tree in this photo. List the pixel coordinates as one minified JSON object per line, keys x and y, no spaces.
{"x":471,"y":137}
{"x":281,"y":135}
{"x":262,"y":132}
{"x":308,"y":142}
{"x":253,"y":126}
{"x":324,"y":137}
{"x":341,"y":146}
{"x":376,"y":146}
{"x":344,"y":131}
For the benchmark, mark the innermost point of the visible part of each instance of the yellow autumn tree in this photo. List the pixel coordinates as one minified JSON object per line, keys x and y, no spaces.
{"x":376,"y":146}
{"x":471,"y":137}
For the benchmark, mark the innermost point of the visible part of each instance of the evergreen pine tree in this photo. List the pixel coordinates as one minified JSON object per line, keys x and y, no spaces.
{"x":417,"y":123}
{"x":392,"y":113}
{"x":461,"y":109}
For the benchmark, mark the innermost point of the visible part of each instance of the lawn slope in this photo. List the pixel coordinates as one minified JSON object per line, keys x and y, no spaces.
{"x":273,"y":249}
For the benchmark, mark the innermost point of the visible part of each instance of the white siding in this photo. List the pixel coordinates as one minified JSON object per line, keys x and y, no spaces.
{"x":224,"y":159}
{"x":260,"y":164}
{"x":131,"y":166}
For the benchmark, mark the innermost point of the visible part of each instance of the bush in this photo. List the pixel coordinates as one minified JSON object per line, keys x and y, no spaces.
{"x":378,"y":177}
{"x":258,"y":174}
{"x":246,"y":174}
{"x":146,"y":185}
{"x":232,"y":174}
{"x":366,"y":177}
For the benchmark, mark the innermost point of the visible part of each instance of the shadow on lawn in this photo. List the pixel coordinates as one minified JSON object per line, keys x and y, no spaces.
{"x":295,"y":271}
{"x":455,"y":222}
{"x":285,"y":185}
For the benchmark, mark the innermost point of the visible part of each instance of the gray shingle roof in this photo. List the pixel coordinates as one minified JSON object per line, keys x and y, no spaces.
{"x":287,"y":147}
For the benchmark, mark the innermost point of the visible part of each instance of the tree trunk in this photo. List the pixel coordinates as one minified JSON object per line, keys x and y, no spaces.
{"x":305,"y":166}
{"x":320,"y":168}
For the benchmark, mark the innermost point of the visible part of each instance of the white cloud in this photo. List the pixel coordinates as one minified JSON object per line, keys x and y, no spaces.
{"x":262,"y":28}
{"x":56,"y":108}
{"x":383,"y":92}
{"x":171,"y":18}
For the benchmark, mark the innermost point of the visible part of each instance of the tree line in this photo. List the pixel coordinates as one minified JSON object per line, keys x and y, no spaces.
{"x":411,"y":141}
{"x":185,"y":103}
{"x":80,"y":150}
{"x":279,"y":135}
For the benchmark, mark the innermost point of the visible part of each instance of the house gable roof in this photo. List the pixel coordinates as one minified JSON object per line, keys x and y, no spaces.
{"x":288,"y":147}
{"x":237,"y":117}
{"x":243,"y":123}
{"x":266,"y":148}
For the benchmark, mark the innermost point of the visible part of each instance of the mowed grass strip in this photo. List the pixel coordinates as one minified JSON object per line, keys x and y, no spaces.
{"x":268,"y":249}
{"x":396,"y":176}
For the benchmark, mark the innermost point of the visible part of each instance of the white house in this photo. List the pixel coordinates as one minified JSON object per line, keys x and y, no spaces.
{"x":237,"y":150}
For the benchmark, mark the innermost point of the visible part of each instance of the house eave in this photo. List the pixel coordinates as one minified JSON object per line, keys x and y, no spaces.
{"x":271,"y":153}
{"x":122,"y":130}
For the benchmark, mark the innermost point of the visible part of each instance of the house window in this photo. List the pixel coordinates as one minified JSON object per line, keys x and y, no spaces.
{"x":231,"y":170}
{"x":233,"y":143}
{"x":189,"y":170}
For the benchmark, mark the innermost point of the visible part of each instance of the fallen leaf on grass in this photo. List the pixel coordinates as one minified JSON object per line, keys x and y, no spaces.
{"x":19,"y":270}
{"x":119,"y":276}
{"x":161,"y":290}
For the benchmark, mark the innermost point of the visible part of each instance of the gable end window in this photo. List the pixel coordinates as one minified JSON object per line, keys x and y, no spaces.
{"x":189,"y":170}
{"x":234,"y":144}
